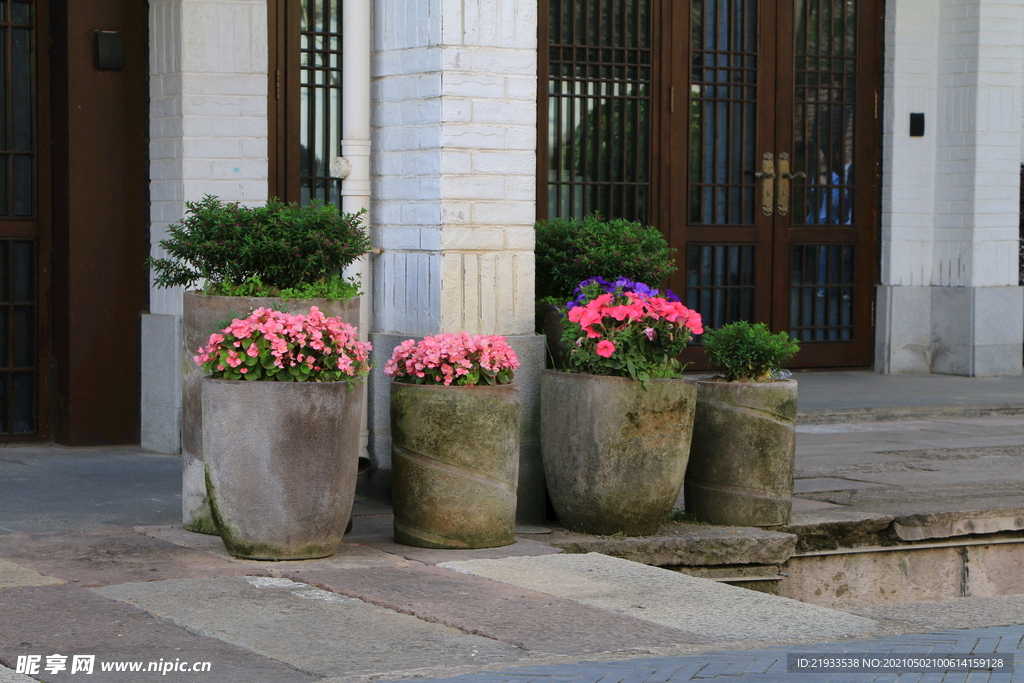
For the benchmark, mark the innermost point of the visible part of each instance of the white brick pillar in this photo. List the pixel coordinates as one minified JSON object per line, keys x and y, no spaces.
{"x":949,"y":300}
{"x":208,"y":135}
{"x":453,"y":172}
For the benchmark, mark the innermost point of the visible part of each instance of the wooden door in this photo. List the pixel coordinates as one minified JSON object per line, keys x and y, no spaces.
{"x":24,"y":222}
{"x":305,"y":99}
{"x":748,"y":132}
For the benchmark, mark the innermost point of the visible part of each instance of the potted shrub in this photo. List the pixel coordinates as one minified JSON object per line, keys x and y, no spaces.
{"x":279,"y":255}
{"x":615,"y":425}
{"x":744,"y":436}
{"x":281,"y":421}
{"x":568,"y":251}
{"x":455,"y":441}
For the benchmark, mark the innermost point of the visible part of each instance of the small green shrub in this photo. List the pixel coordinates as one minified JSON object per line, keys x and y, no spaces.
{"x":743,"y":352}
{"x":274,"y":250}
{"x":569,"y":251}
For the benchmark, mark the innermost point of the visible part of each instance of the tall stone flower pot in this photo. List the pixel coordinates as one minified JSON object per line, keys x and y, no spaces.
{"x":455,"y":464}
{"x":551,"y":321}
{"x":614,"y":453}
{"x":743,"y":452}
{"x":280,"y":465}
{"x":201,"y":314}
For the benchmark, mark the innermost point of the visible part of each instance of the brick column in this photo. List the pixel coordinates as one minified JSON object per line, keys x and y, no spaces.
{"x":949,"y":300}
{"x":453,"y":169}
{"x":208,"y":135}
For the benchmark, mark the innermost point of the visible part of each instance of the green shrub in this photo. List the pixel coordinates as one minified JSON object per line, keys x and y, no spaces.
{"x":274,"y":250}
{"x":570,"y":251}
{"x":744,"y":352}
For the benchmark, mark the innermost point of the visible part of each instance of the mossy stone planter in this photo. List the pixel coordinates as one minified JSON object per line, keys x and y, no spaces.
{"x":743,"y":453}
{"x":280,"y":465}
{"x":200,"y":315}
{"x":455,"y":465}
{"x":552,"y":322}
{"x":614,"y":453}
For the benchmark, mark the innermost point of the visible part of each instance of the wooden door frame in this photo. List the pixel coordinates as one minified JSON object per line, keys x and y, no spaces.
{"x":39,"y":228}
{"x":659,"y":104}
{"x":669,"y":163}
{"x":44,"y":201}
{"x":867,"y":171}
{"x":283,"y":20}
{"x":759,"y":235}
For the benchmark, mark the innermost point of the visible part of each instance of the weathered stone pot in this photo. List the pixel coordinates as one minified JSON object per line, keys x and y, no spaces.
{"x":743,"y":451}
{"x":614,"y":453}
{"x":552,"y":323}
{"x":455,"y":464}
{"x":280,"y":463}
{"x":201,"y":316}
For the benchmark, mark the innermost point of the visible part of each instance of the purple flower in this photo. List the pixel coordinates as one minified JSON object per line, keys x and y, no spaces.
{"x":605,"y":285}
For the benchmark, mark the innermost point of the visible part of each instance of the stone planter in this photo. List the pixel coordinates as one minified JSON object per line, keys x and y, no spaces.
{"x":744,"y":446}
{"x":280,"y":463}
{"x":614,"y":453}
{"x":200,"y":316}
{"x":551,"y":322}
{"x":455,"y":465}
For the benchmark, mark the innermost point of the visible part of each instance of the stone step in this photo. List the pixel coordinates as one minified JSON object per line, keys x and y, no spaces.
{"x":684,"y":544}
{"x":701,"y":606}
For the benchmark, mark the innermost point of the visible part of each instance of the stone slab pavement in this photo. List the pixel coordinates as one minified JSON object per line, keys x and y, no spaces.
{"x":862,"y":395}
{"x":91,"y":562}
{"x":772,"y":665}
{"x":927,"y":474}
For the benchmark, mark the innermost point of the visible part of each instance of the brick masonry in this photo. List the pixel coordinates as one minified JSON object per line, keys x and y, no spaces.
{"x":208,"y":135}
{"x":950,"y":198}
{"x":453,"y":168}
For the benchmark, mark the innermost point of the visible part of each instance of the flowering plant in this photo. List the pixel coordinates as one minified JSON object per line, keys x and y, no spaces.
{"x":458,"y":359}
{"x":276,"y":346}
{"x":627,"y":329}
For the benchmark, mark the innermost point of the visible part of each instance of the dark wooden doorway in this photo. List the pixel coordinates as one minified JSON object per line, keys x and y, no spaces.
{"x":305,"y":99}
{"x":748,"y":132}
{"x":25,"y":221}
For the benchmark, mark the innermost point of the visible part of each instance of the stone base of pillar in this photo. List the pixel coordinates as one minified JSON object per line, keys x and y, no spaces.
{"x":161,"y":383}
{"x":972,"y":331}
{"x":532,"y":497}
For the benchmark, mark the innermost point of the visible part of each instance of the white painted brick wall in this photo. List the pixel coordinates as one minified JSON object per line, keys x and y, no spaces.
{"x":908,"y":165}
{"x":949,"y":202}
{"x":454,"y":163}
{"x":208,"y":111}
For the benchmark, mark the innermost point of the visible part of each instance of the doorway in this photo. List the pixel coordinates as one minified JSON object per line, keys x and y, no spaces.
{"x":24,"y":223}
{"x":748,"y":131}
{"x":305,"y":99}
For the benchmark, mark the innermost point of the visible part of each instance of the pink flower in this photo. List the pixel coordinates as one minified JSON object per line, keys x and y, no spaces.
{"x":289,"y":341}
{"x":605,"y":348}
{"x":650,"y":333}
{"x":453,"y":358}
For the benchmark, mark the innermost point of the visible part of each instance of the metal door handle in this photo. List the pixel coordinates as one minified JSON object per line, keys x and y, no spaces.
{"x":767,"y":176}
{"x":784,"y":177}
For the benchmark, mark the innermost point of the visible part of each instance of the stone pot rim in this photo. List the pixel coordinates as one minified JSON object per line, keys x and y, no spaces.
{"x":586,"y":375}
{"x":395,"y":383}
{"x":196,"y":293}
{"x":210,"y":378}
{"x":722,"y":382}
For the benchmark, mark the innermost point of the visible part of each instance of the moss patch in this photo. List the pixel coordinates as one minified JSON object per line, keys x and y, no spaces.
{"x":202,"y":525}
{"x":258,"y":551}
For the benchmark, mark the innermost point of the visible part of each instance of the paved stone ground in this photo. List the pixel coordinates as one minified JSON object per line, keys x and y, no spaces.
{"x":771,"y":665}
{"x":75,"y":578}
